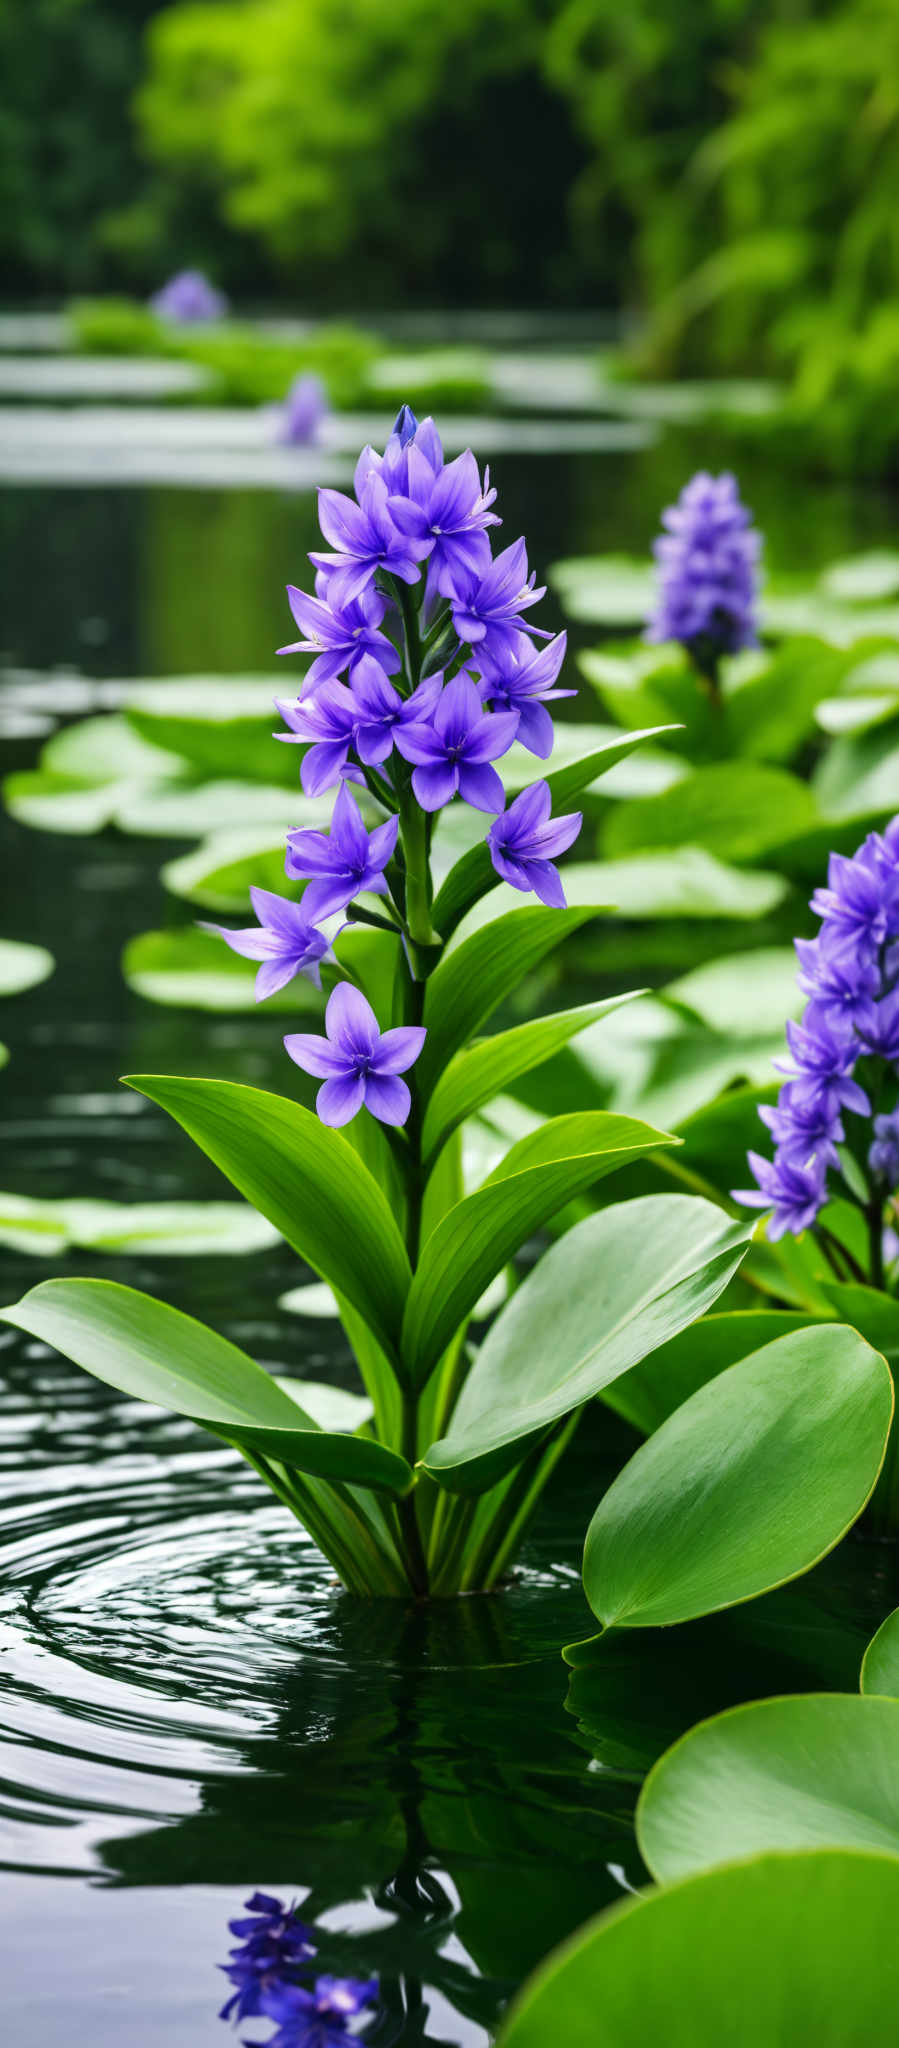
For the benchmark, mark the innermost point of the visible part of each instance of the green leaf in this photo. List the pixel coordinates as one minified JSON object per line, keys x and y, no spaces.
{"x":773,"y":1953}
{"x":476,"y":1239}
{"x":192,"y":970}
{"x":863,"y":579}
{"x":683,"y":883}
{"x":880,"y":1664}
{"x":485,"y":1069}
{"x":746,"y":1485}
{"x":156,"y":1354}
{"x":333,"y":1408}
{"x":606,"y":590}
{"x":474,"y":978}
{"x":222,"y":725}
{"x":611,"y":1290}
{"x":179,"y":1229}
{"x":652,"y":1390}
{"x":737,"y":810}
{"x":219,"y":873}
{"x":770,"y":714}
{"x":22,"y":966}
{"x":817,"y":1770}
{"x":307,"y":1180}
{"x":747,"y":995}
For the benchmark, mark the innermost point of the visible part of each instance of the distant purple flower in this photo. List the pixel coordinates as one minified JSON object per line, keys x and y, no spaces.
{"x":339,"y":635}
{"x":381,"y":712}
{"x":450,"y":511}
{"x":526,"y":840}
{"x":328,"y":720}
{"x":319,"y":2017}
{"x":341,"y":864}
{"x":487,"y":611}
{"x":189,"y":297}
{"x":359,"y":1064}
{"x":364,"y":538}
{"x":303,"y":411}
{"x":521,"y":677}
{"x":286,"y":942}
{"x":883,"y":1156}
{"x":795,"y":1193}
{"x":707,"y":569}
{"x":823,"y":1059}
{"x":272,"y":1942}
{"x":451,"y":753}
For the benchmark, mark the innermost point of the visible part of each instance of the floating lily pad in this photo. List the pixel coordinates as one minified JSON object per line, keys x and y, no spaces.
{"x":179,"y":1229}
{"x":22,"y":966}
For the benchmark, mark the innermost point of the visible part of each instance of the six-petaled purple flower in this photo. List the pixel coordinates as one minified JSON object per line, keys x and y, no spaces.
{"x":451,"y":512}
{"x":339,"y":635}
{"x":526,"y":840}
{"x":452,"y":752}
{"x":359,"y":1064}
{"x":363,"y":538}
{"x":487,"y":609}
{"x":521,"y":677}
{"x":341,"y":864}
{"x":285,"y":941}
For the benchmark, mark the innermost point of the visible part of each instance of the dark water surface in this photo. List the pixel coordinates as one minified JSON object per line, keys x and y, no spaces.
{"x":191,"y":1708}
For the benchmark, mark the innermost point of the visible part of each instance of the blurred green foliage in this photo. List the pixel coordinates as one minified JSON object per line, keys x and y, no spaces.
{"x":246,"y":365}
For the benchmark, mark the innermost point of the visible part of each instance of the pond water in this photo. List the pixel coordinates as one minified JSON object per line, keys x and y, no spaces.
{"x":192,"y":1709}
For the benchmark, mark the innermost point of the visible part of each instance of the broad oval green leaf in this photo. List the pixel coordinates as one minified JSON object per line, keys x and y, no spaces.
{"x":780,"y":1951}
{"x":179,"y":1229}
{"x":308,"y":1181}
{"x":652,"y":1390}
{"x":479,"y":1235}
{"x":487,"y":1068}
{"x":739,"y":810}
{"x":472,"y":980}
{"x":816,"y":1770}
{"x":880,"y":1664}
{"x":613,"y":1288}
{"x":153,"y":1352}
{"x":22,"y":966}
{"x":746,"y":1485}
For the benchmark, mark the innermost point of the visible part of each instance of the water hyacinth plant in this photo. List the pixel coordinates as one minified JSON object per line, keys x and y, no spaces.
{"x":707,"y":574}
{"x":189,"y":299}
{"x":429,"y":684}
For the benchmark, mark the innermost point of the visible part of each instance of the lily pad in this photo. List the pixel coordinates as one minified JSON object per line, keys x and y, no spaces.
{"x":179,"y":1229}
{"x":22,"y":966}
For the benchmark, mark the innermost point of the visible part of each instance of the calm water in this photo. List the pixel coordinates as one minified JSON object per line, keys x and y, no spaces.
{"x":191,"y":1708}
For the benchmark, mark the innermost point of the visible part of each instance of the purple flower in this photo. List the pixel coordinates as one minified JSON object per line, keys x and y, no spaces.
{"x":796,"y":1193}
{"x":393,"y":465}
{"x":189,"y":297}
{"x":338,"y":634}
{"x":861,"y":901}
{"x":303,"y":410}
{"x":381,"y":712}
{"x":877,"y":1025}
{"x":707,"y":563}
{"x":272,"y":1942}
{"x":319,"y":2017}
{"x":450,"y":511}
{"x":341,"y":864}
{"x":838,"y":977}
{"x":824,"y":1059}
{"x":364,"y":539}
{"x":525,"y":841}
{"x":520,"y":677}
{"x":359,"y":1064}
{"x":285,"y":941}
{"x":452,"y":751}
{"x":883,"y":1156}
{"x":329,"y":721}
{"x":487,"y":611}
{"x":803,"y":1128}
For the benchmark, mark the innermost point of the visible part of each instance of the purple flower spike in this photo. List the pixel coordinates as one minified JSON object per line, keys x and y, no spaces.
{"x":272,"y":1941}
{"x":796,"y":1193}
{"x":329,"y":721}
{"x":303,"y":412}
{"x":521,"y":677}
{"x":824,"y":1059}
{"x":707,"y":568}
{"x":189,"y":298}
{"x":364,"y":539}
{"x":488,"y":612}
{"x":525,"y":841}
{"x":359,"y":1064}
{"x":286,"y":942}
{"x":318,"y":2017}
{"x":339,"y":635}
{"x":449,"y":511}
{"x":339,"y":865}
{"x":452,"y":752}
{"x":861,"y":901}
{"x":381,"y":711}
{"x":883,"y":1156}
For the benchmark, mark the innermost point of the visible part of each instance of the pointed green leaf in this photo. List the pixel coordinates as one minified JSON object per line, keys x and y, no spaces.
{"x":746,"y":1485}
{"x":612,"y":1289}
{"x":806,"y":1772}
{"x":880,"y":1664}
{"x":470,"y":982}
{"x":487,"y":1068}
{"x":307,"y":1180}
{"x":477,"y":1237}
{"x":783,"y":1951}
{"x":155,"y":1353}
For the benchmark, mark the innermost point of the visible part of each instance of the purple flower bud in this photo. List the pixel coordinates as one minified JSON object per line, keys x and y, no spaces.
{"x":359,"y":1064}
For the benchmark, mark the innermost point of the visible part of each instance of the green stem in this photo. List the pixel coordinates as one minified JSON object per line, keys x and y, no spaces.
{"x":875,"y":1241}
{"x":416,"y":851}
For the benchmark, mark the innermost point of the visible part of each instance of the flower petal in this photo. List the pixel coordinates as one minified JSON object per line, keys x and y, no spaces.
{"x":479,"y":786}
{"x":350,"y":1021}
{"x":398,"y":1049}
{"x":386,"y":1096}
{"x":340,"y":1100}
{"x":310,"y":1051}
{"x":436,"y":784}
